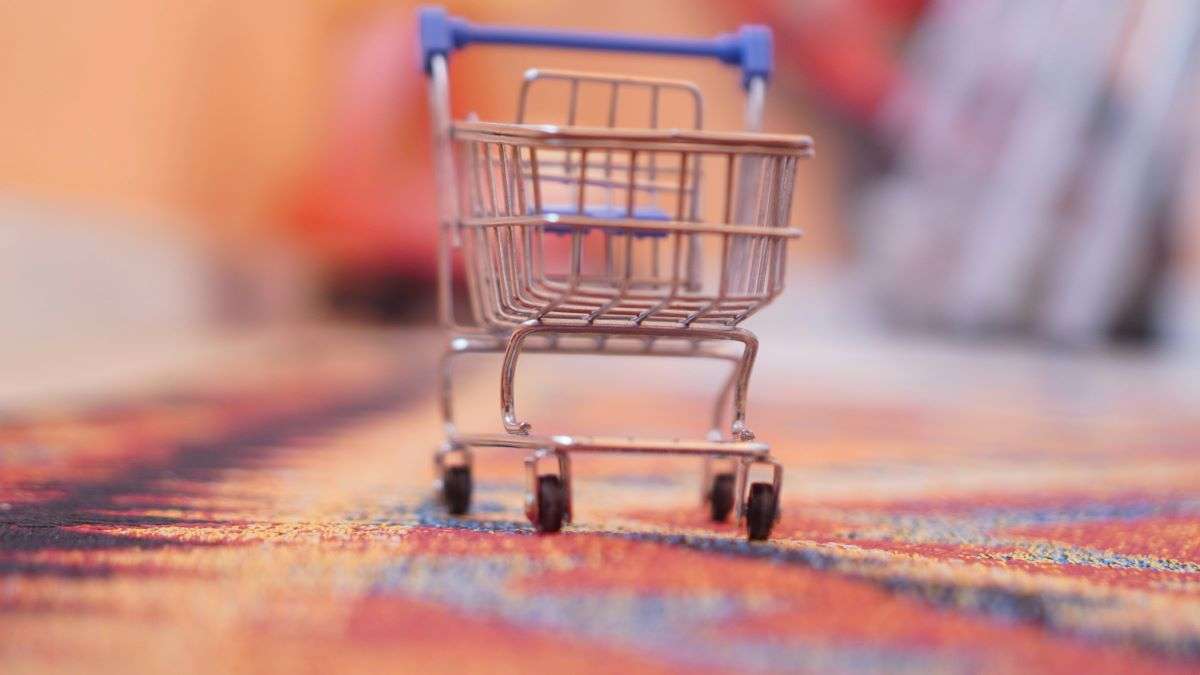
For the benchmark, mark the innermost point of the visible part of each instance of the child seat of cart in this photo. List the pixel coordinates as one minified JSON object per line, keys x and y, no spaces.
{"x":617,"y":83}
{"x":640,"y":213}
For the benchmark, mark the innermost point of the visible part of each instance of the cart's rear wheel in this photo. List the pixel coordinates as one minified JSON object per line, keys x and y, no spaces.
{"x":456,"y":489}
{"x":720,"y":497}
{"x":551,"y":504}
{"x":760,"y":511}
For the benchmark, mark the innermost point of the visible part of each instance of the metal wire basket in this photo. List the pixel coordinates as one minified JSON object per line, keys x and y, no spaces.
{"x":588,"y":225}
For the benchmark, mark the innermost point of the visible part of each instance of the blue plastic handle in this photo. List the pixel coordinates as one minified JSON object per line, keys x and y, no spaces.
{"x":750,"y":48}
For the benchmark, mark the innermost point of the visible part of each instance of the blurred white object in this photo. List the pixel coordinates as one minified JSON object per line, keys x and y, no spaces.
{"x":1179,"y":312}
{"x":1011,"y":226}
{"x":98,"y":302}
{"x":68,"y":275}
{"x":1037,"y":143}
{"x":1112,"y":246}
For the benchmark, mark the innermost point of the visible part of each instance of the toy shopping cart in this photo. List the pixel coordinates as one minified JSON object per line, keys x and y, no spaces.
{"x":610,"y":237}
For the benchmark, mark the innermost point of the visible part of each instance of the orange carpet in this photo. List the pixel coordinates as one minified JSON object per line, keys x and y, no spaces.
{"x":283,"y":521}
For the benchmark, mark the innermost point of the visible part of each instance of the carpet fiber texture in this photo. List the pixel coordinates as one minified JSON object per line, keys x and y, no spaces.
{"x":283,"y":521}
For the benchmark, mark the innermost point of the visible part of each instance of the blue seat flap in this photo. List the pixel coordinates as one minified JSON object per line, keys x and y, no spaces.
{"x":639,"y":213}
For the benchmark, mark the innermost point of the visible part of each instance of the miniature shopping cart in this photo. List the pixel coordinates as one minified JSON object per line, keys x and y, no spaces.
{"x":606,"y":232}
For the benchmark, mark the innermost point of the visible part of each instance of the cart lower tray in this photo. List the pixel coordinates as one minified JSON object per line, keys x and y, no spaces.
{"x":548,"y":497}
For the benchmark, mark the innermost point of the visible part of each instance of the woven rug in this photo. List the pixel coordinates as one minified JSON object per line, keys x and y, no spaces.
{"x":281,"y":519}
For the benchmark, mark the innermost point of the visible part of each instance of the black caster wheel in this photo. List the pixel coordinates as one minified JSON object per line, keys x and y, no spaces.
{"x":456,"y":489}
{"x":760,"y":511}
{"x":551,"y":504}
{"x":720,"y":497}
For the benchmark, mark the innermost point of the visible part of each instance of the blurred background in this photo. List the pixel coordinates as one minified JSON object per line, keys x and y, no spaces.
{"x":991,"y":174}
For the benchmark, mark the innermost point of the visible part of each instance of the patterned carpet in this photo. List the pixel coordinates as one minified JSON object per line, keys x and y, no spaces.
{"x":280,"y":519}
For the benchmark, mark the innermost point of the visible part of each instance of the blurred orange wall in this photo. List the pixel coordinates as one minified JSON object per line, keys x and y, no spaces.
{"x":160,"y":106}
{"x":206,"y":114}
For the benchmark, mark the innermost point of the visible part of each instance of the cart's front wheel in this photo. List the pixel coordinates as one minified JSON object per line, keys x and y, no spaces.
{"x":720,"y":497}
{"x":456,"y":489}
{"x":760,"y":511}
{"x":551,"y":504}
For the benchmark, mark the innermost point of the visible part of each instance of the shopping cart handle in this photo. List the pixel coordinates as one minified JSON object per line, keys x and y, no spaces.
{"x":749,"y":48}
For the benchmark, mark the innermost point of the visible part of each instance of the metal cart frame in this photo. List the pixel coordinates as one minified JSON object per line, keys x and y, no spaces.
{"x":491,"y":206}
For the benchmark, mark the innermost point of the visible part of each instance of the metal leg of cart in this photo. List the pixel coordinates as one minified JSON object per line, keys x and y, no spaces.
{"x":738,"y":427}
{"x":722,"y":403}
{"x":717,"y":483}
{"x":717,"y":474}
{"x":446,"y":387}
{"x":453,"y":463}
{"x":458,"y":346}
{"x":549,"y":498}
{"x":461,"y":345}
